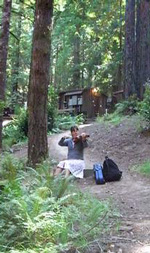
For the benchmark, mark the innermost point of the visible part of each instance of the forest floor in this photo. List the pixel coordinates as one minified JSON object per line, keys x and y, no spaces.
{"x":131,"y":196}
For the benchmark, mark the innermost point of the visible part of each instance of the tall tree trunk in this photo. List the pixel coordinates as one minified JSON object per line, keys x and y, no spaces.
{"x":39,"y":81}
{"x":55,"y":68}
{"x":76,"y":60}
{"x":138,"y":48}
{"x":129,"y":85}
{"x":142,"y":45}
{"x":4,"y":37}
{"x":83,"y":61}
{"x":119,"y":76}
{"x":16,"y":59}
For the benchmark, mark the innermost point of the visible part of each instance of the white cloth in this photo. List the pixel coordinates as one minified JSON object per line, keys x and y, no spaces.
{"x":76,"y":167}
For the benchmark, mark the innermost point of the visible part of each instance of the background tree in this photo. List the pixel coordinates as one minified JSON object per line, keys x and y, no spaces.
{"x":99,"y":52}
{"x":98,"y":58}
{"x":4,"y":36}
{"x":19,"y":54}
{"x":16,"y":57}
{"x":142,"y":45}
{"x":39,"y":81}
{"x":129,"y":88}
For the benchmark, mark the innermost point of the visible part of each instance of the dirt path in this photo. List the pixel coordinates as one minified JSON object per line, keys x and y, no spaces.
{"x":131,"y":195}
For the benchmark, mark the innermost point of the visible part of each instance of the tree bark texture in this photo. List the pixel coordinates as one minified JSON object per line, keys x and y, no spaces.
{"x":142,"y":45}
{"x":129,"y":65}
{"x":4,"y":37}
{"x":16,"y":62}
{"x":119,"y":72}
{"x":39,"y":81}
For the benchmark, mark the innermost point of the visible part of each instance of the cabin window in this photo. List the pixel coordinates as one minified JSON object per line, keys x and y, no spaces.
{"x":70,"y":102}
{"x":65,"y":104}
{"x":80,"y":100}
{"x":74,"y":100}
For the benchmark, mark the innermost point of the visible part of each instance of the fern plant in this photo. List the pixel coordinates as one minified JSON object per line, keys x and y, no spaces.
{"x":41,"y":213}
{"x":145,"y":104}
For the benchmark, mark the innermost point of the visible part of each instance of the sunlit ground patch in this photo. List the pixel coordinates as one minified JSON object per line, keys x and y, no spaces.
{"x":142,"y":249}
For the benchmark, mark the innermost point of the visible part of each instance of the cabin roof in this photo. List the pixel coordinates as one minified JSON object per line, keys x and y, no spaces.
{"x":74,"y":92}
{"x":77,"y":92}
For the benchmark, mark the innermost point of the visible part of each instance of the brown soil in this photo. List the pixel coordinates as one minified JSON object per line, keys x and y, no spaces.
{"x":131,"y":196}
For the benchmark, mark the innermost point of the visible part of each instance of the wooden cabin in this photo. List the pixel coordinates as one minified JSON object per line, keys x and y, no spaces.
{"x":87,"y":101}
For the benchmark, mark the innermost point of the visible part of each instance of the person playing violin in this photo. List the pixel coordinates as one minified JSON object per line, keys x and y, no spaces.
{"x":75,"y":161}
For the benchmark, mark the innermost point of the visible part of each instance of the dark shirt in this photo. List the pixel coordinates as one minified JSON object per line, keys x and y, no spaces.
{"x":75,"y":150}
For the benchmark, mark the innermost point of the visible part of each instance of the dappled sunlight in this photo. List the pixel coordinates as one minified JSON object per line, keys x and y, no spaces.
{"x":141,"y":249}
{"x":85,"y":125}
{"x":6,"y":122}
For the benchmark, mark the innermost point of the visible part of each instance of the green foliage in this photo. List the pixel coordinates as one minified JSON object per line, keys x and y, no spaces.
{"x":99,"y":36}
{"x":64,"y":122}
{"x":145,"y":104}
{"x":122,"y":109}
{"x":9,"y":167}
{"x":143,"y":168}
{"x":52,"y":107}
{"x":39,"y":213}
{"x":17,"y":129}
{"x":19,"y":53}
{"x":127,"y":107}
{"x":22,"y":123}
{"x":100,"y":32}
{"x":10,"y":134}
{"x":113,"y":118}
{"x":2,"y":105}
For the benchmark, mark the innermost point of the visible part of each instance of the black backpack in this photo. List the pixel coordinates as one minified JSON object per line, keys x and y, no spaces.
{"x":111,"y":171}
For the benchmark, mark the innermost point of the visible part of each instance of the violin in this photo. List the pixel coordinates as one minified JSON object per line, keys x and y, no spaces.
{"x":80,"y":138}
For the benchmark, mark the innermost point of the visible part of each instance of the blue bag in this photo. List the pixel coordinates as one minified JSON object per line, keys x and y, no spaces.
{"x":98,"y":173}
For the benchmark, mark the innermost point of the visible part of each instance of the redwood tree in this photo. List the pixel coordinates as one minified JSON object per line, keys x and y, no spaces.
{"x":16,"y":60}
{"x":129,"y":64}
{"x":4,"y":37}
{"x":142,"y":45}
{"x":39,"y":81}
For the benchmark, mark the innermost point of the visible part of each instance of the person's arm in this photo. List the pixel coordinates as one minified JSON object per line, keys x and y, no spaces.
{"x":85,"y":143}
{"x":63,"y":142}
{"x":84,"y":140}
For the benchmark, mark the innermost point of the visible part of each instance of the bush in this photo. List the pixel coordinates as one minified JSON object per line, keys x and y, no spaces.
{"x":17,"y":130}
{"x":145,"y":104}
{"x":127,"y":107}
{"x":113,"y":118}
{"x":9,"y":167}
{"x":22,"y":123}
{"x":52,"y":107}
{"x":64,"y":122}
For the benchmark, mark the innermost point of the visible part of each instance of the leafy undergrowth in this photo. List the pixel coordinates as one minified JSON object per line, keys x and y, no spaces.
{"x":64,"y":122}
{"x":15,"y":133}
{"x":112,"y":118}
{"x":39,"y":213}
